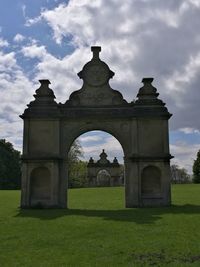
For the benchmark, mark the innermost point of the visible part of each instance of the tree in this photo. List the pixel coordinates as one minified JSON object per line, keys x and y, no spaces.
{"x":10,"y":166}
{"x":78,"y":174}
{"x":77,"y":169}
{"x":196,"y":169}
{"x":75,"y":152}
{"x":179,"y":175}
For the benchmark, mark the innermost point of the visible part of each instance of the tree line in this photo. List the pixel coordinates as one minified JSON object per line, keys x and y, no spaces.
{"x":10,"y":168}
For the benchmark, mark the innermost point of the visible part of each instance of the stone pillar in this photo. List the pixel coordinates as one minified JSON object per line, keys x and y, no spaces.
{"x":63,"y":184}
{"x":24,"y":186}
{"x":153,"y":147}
{"x":41,"y":154}
{"x":131,"y":183}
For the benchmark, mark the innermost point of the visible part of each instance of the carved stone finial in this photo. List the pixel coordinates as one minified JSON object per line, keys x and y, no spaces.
{"x":148,"y":94}
{"x":148,"y":90}
{"x":147,"y":80}
{"x":44,"y":95}
{"x":91,"y":160}
{"x":103,"y":157}
{"x":44,"y":90}
{"x":96,"y":50}
{"x":103,"y":154}
{"x":44,"y":103}
{"x":115,"y":160}
{"x":44,"y":81}
{"x":148,"y":87}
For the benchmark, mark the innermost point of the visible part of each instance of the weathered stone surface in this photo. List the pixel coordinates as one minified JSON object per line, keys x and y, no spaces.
{"x":96,"y":90}
{"x":44,"y":104}
{"x":140,"y":127}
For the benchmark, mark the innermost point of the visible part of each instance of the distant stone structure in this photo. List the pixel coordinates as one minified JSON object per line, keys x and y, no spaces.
{"x":103,"y":172}
{"x":50,"y":128}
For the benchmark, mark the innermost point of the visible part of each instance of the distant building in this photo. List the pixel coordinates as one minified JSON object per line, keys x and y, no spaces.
{"x":104,"y":173}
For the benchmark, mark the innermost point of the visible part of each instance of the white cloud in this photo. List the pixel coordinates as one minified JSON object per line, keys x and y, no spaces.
{"x":24,"y":10}
{"x":18,"y":38}
{"x":138,"y":39}
{"x":12,"y":131}
{"x":108,"y":142}
{"x":100,"y":19}
{"x":16,"y":91}
{"x":91,"y":138}
{"x":30,"y":22}
{"x":34,"y":51}
{"x":196,"y":3}
{"x":184,"y":76}
{"x":3,"y":42}
{"x":61,"y":72}
{"x":188,"y":130}
{"x":184,"y":154}
{"x":7,"y":61}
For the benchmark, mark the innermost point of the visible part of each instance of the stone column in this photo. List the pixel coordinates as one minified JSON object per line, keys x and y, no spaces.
{"x":41,"y":154}
{"x":131,"y":183}
{"x":153,"y":147}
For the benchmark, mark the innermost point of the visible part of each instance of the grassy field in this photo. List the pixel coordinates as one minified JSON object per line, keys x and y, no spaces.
{"x":98,"y":231}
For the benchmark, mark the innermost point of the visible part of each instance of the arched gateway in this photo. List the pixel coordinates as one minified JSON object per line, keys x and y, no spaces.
{"x":103,"y":172}
{"x":141,"y":127}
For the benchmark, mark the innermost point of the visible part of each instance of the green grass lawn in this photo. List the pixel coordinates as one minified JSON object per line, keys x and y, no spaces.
{"x":97,"y":230}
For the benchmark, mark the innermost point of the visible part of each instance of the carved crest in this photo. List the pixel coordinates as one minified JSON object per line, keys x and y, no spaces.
{"x":96,"y":90}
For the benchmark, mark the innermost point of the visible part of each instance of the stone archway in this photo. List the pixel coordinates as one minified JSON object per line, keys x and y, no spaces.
{"x":141,"y":127}
{"x":111,"y":171}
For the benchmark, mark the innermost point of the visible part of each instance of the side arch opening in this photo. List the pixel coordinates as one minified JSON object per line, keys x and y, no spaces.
{"x":151,"y":181}
{"x":40,"y":186}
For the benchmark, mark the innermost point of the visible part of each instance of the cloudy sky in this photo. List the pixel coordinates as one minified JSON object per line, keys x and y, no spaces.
{"x":51,"y":39}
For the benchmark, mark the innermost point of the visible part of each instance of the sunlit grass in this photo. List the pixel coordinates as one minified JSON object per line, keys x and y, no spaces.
{"x":97,"y":230}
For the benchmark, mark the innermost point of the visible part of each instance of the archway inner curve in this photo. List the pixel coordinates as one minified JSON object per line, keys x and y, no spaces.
{"x":101,"y":151}
{"x":79,"y":131}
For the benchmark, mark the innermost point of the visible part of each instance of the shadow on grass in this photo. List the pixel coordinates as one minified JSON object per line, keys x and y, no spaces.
{"x":136,"y":215}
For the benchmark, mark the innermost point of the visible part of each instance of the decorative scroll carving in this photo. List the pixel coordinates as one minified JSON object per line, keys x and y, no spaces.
{"x":96,"y":90}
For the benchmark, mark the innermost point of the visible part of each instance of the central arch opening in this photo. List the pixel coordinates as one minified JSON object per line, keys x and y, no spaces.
{"x":103,"y":178}
{"x":96,"y":170}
